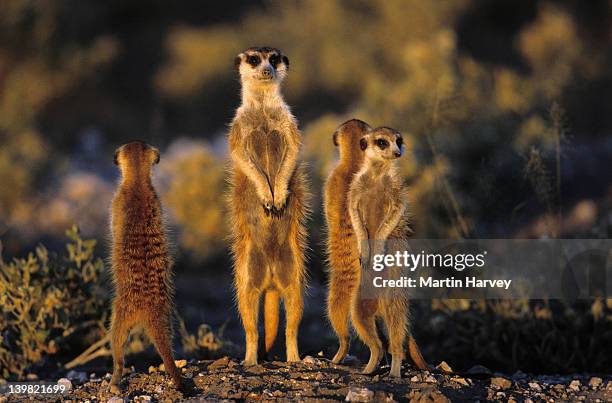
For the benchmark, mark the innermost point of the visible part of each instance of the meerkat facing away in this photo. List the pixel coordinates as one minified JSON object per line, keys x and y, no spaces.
{"x":140,"y":261}
{"x":378,"y":207}
{"x":342,"y":251}
{"x":268,"y":202}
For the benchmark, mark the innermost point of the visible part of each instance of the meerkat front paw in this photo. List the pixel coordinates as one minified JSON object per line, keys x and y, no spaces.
{"x":281,"y":195}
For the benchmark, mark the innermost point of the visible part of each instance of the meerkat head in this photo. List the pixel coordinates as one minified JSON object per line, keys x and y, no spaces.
{"x":136,"y":156}
{"x":262,"y":66}
{"x":382,"y":143}
{"x":350,"y":132}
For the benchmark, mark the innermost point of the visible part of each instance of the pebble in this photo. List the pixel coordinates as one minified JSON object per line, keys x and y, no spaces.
{"x":78,"y":376}
{"x":415,"y":379}
{"x":356,"y":394}
{"x":595,"y":382}
{"x":575,"y":385}
{"x":444,"y":367}
{"x":3,"y":399}
{"x":115,"y":399}
{"x":66,"y":382}
{"x":535,"y":386}
{"x":31,"y":377}
{"x":309,"y":360}
{"x":501,"y":383}
{"x":180,"y":363}
{"x":220,"y":363}
{"x":152,"y":369}
{"x":159,"y":389}
{"x":518,"y":375}
{"x":461,"y":381}
{"x":351,"y":360}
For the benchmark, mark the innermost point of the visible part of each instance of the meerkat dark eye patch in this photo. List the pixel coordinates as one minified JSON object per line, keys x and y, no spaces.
{"x":274,"y":60}
{"x":363,"y":144}
{"x":253,"y":60}
{"x":382,"y":144}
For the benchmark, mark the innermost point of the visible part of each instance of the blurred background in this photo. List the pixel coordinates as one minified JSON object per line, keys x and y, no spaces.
{"x":504,"y":108}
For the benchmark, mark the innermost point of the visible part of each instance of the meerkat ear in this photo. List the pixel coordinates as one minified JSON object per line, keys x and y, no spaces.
{"x":286,"y":61}
{"x":237,"y":62}
{"x":155,"y":156}
{"x":335,"y":138}
{"x":116,"y":157}
{"x":363,"y":143}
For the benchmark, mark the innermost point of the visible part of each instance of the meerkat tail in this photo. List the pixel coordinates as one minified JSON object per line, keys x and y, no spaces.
{"x":415,"y":354}
{"x":271,"y":306}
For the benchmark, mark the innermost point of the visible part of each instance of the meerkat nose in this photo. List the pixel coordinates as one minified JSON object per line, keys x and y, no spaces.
{"x":397,"y":154}
{"x":267,"y":72}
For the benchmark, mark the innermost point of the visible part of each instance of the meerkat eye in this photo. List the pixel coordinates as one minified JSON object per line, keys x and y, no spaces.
{"x":274,"y":59}
{"x":253,"y":60}
{"x":382,"y":144}
{"x":400,"y":142}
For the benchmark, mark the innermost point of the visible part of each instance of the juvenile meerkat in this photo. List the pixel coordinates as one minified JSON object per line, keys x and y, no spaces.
{"x":268,"y":202}
{"x":378,"y":207}
{"x":342,"y":251}
{"x":141,"y":265}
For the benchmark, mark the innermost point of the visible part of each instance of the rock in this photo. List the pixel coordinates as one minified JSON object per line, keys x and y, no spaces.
{"x":519,"y":375}
{"x":115,"y":399}
{"x":180,"y":363}
{"x":3,"y":399}
{"x":278,"y":393}
{"x":427,"y":395}
{"x":220,"y":363}
{"x":78,"y":376}
{"x":609,"y":385}
{"x":66,"y":383}
{"x":595,"y":382}
{"x":444,"y":367}
{"x":527,"y":401}
{"x":33,"y":377}
{"x":430,"y":379}
{"x":461,"y":381}
{"x":152,"y":369}
{"x":159,"y":389}
{"x":535,"y":386}
{"x":575,"y":385}
{"x":501,"y":383}
{"x":415,"y":379}
{"x":309,"y":360}
{"x":479,"y":369}
{"x":356,"y":394}
{"x":351,"y":361}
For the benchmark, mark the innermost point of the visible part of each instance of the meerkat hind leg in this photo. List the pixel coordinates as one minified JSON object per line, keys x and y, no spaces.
{"x":248,"y":305}
{"x":396,"y":321}
{"x":159,"y":330}
{"x":120,"y":330}
{"x":294,"y":306}
{"x":364,"y":321}
{"x":338,"y":310}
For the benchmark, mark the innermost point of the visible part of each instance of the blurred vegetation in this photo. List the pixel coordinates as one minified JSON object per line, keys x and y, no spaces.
{"x":50,"y":303}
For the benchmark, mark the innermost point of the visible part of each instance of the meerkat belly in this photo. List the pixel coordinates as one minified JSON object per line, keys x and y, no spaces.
{"x":374,"y":208}
{"x":268,"y":149}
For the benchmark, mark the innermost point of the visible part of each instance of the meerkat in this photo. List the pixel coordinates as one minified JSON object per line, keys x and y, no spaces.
{"x":268,"y":202}
{"x":141,"y":264}
{"x":378,"y":207}
{"x":342,"y":251}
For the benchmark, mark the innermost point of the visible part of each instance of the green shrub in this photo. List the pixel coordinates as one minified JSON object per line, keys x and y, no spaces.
{"x":47,"y":300}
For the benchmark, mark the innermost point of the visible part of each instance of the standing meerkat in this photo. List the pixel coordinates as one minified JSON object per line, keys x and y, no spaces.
{"x":141,"y":265}
{"x":268,"y":202}
{"x":342,"y":251}
{"x":378,"y":207}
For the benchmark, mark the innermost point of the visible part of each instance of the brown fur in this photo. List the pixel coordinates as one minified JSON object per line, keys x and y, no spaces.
{"x":342,"y":253}
{"x":268,"y":207}
{"x":140,"y":261}
{"x":378,"y":209}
